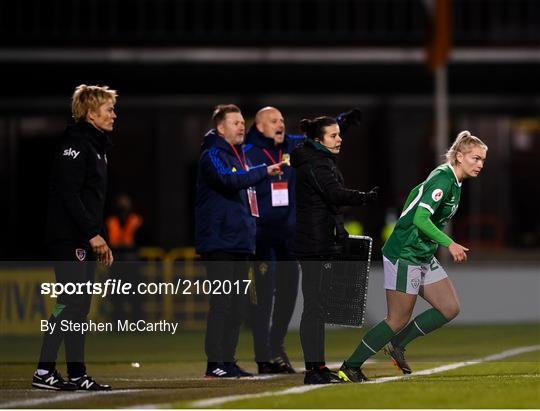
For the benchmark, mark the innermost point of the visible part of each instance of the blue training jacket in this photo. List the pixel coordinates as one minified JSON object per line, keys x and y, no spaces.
{"x":274,"y":218}
{"x":223,"y":220}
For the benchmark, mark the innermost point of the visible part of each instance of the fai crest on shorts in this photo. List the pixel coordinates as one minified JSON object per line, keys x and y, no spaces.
{"x":80,"y":253}
{"x":415,"y":282}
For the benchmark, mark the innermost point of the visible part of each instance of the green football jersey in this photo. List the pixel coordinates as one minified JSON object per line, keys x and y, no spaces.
{"x":439,"y":194}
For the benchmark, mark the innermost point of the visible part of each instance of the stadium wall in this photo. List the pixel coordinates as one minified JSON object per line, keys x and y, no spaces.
{"x":496,"y":292}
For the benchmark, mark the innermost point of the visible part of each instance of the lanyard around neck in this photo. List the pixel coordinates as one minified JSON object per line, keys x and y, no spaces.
{"x":265,"y":151}
{"x":243,"y":163}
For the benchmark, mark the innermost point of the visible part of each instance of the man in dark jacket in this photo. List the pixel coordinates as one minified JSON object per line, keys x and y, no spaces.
{"x":75,"y":231}
{"x":225,"y":211}
{"x":276,"y":270}
{"x":320,"y":234}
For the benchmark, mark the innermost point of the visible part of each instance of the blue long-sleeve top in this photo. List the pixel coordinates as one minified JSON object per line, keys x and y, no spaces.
{"x":223,"y":220}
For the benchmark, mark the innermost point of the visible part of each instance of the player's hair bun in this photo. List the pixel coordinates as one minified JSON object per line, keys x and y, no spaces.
{"x":463,"y":134}
{"x":306,"y":125}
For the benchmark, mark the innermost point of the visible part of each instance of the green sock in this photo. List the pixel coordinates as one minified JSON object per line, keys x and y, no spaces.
{"x":424,"y":323}
{"x":373,"y":341}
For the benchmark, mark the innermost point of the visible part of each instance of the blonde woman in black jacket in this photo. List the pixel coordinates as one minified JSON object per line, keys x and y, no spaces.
{"x":76,"y":233}
{"x":320,"y":233}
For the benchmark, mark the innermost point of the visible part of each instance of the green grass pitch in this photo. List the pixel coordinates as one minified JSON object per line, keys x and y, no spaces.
{"x":171,"y":369}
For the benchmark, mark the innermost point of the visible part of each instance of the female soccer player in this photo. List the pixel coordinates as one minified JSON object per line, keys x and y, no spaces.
{"x":410,"y":267}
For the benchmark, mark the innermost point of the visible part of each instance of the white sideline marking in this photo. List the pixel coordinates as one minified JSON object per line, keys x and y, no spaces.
{"x":261,"y":377}
{"x":211,"y":402}
{"x":60,"y":396}
{"x":180,"y":379}
{"x":255,"y":377}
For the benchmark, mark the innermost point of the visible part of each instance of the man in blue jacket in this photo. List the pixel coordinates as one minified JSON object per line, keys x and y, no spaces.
{"x":276,"y":270}
{"x":225,"y":229}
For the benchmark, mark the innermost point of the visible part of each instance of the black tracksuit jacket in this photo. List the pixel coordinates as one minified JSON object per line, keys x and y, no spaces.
{"x":320,"y":193}
{"x":77,"y":187}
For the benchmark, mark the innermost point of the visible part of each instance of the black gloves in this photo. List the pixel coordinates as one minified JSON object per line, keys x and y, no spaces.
{"x":371,"y":195}
{"x":353,"y":117}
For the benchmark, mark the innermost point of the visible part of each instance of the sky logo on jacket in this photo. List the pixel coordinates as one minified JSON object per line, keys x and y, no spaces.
{"x":71,"y":153}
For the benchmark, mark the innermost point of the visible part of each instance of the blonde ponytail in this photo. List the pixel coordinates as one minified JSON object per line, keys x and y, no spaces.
{"x":463,"y":144}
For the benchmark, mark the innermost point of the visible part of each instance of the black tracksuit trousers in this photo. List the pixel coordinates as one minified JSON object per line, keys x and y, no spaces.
{"x":315,"y":281}
{"x":226,"y":311}
{"x":276,"y":285}
{"x":68,"y":268}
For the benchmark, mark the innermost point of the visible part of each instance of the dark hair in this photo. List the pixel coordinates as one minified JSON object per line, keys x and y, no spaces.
{"x":221,"y":110}
{"x":314,"y":129}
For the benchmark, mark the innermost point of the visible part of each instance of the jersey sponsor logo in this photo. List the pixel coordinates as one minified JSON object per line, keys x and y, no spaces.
{"x":454,"y":209}
{"x":71,"y":153}
{"x":80,"y":253}
{"x":437,"y":194}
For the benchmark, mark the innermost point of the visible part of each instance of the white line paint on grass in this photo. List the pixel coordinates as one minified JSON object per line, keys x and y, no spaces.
{"x":212,"y":402}
{"x":180,"y":379}
{"x":51,"y":396}
{"x":255,"y":377}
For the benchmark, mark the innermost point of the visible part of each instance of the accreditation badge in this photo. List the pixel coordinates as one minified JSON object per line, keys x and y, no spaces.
{"x":280,"y":194}
{"x":252,"y":198}
{"x":286,"y":158}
